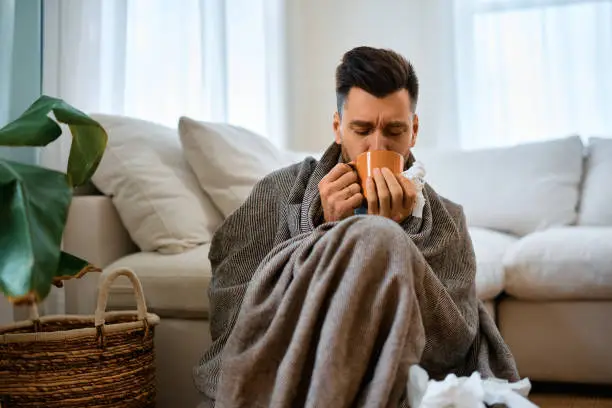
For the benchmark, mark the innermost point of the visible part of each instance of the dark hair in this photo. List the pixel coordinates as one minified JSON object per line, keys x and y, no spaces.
{"x":377,"y":71}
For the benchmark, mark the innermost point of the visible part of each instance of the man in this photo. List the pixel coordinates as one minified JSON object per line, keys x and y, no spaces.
{"x":313,"y":305}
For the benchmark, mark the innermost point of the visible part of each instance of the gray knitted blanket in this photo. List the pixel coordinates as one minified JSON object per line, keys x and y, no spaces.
{"x":307,"y":313}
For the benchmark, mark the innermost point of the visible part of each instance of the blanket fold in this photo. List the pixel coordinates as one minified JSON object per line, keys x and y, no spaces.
{"x":307,"y":313}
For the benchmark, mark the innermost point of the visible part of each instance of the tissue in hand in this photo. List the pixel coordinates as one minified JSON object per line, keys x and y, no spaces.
{"x":416,"y":174}
{"x":465,"y":392}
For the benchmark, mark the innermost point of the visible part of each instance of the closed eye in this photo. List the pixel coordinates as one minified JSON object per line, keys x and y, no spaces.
{"x":361,"y":127}
{"x":396,"y":132}
{"x":396,"y":128}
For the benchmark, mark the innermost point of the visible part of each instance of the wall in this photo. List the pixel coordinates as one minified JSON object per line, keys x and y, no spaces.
{"x":320,"y":31}
{"x":20,"y":66}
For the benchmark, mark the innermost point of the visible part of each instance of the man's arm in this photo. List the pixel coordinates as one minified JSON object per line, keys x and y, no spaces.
{"x":237,"y":249}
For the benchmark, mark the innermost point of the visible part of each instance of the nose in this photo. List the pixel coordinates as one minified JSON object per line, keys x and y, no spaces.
{"x":377,"y":141}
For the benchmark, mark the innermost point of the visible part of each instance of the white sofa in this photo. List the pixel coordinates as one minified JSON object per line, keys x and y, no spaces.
{"x":538,"y":214}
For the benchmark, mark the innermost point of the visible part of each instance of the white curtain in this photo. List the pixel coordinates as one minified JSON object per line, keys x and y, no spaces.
{"x":217,"y":60}
{"x":7,"y":22}
{"x":7,"y":11}
{"x":531,"y":70}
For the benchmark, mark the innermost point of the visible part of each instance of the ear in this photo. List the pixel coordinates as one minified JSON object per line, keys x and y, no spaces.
{"x":337,"y":128}
{"x":415,"y":130}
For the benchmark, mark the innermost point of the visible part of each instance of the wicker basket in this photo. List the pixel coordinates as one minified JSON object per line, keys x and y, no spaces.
{"x":105,"y":360}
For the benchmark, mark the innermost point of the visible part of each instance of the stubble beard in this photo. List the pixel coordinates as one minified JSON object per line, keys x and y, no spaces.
{"x":345,"y":156}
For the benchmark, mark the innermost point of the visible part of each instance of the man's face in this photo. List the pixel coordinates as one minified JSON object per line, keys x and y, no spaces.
{"x":369,"y":123}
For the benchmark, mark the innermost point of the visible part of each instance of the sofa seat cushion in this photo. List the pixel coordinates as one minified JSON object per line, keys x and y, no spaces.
{"x":566,"y":263}
{"x":175,"y":285}
{"x":490,"y":247}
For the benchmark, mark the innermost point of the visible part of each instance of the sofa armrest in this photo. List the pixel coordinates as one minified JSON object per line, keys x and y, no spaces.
{"x":95,"y":233}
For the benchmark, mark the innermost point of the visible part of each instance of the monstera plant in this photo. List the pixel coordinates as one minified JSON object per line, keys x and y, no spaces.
{"x":34,"y":201}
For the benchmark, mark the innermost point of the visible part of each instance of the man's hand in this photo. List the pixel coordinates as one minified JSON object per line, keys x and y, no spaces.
{"x":389,"y":195}
{"x":340,"y":193}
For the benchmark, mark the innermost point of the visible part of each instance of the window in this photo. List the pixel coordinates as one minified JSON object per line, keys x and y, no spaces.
{"x":530,"y":70}
{"x":158,"y":60}
{"x":204,"y":59}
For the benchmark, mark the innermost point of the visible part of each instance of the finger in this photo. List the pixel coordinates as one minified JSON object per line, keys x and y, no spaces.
{"x":384,"y":197}
{"x":338,"y":171}
{"x":409,"y":191}
{"x":395,"y":190}
{"x":351,"y":190}
{"x":344,"y":181}
{"x":372,"y":196}
{"x":326,"y":186}
{"x":354,"y":201}
{"x":346,"y":207}
{"x":346,"y":192}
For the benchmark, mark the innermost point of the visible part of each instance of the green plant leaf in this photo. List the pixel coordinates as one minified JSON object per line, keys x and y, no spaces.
{"x":33,"y":208}
{"x":70,"y":267}
{"x":35,"y":128}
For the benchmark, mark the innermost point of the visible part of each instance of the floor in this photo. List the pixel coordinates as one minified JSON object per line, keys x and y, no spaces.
{"x":571,"y":396}
{"x":556,"y":401}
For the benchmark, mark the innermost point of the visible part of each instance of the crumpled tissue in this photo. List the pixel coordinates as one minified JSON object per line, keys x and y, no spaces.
{"x":416,"y":174}
{"x":465,"y":392}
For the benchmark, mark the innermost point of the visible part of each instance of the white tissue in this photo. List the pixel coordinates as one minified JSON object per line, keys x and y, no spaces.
{"x":465,"y":392}
{"x":416,"y":174}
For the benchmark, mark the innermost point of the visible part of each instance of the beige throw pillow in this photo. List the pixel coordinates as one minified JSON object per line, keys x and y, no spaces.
{"x":153,"y":188}
{"x":229,"y":160}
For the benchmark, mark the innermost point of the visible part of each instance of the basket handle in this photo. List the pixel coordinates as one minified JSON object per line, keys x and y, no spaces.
{"x":106,"y":279}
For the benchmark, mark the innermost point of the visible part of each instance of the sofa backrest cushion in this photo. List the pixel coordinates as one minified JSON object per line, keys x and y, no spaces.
{"x":596,"y":199}
{"x":518,"y":189}
{"x":156,"y":194}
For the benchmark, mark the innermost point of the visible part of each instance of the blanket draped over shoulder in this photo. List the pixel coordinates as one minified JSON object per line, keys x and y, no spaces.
{"x":308,"y":313}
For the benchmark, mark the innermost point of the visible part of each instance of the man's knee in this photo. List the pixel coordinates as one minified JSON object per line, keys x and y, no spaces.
{"x":380,"y":249}
{"x":376,"y":231}
{"x":375,"y":225}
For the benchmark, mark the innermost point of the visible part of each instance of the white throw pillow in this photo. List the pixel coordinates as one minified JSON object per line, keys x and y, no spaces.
{"x":152,"y":186}
{"x":490,"y":248}
{"x":595,"y":206}
{"x":565,"y":263}
{"x":517,"y":189}
{"x":229,"y":160}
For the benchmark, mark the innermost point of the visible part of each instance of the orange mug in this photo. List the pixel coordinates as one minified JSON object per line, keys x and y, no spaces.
{"x":366,"y":162}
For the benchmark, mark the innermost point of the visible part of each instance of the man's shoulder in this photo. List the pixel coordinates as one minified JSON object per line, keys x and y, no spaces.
{"x":284,"y":178}
{"x":453,"y":208}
